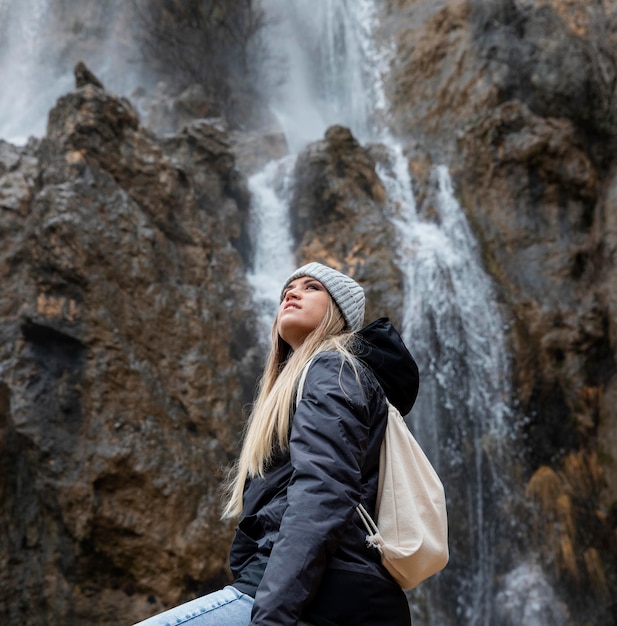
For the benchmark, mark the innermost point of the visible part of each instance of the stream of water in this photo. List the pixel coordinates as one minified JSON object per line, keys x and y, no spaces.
{"x":331,"y":66}
{"x":25,"y":96}
{"x":452,"y":322}
{"x":462,"y":415}
{"x":273,"y":255}
{"x":40,"y":42}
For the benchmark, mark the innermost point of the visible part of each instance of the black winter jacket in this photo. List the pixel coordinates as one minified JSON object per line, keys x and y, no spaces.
{"x":299,"y":529}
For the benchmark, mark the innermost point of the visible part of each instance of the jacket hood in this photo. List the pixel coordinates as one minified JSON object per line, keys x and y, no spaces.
{"x":382,"y":350}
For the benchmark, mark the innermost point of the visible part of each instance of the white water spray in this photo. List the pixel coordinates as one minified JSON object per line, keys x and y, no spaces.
{"x":326,"y":55}
{"x":40,"y":43}
{"x":29,"y":83}
{"x":455,"y":330}
{"x":273,"y":258}
{"x":528,"y":598}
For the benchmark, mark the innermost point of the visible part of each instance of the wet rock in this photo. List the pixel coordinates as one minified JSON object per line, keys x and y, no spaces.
{"x":338,"y":218}
{"x":83,"y":76}
{"x":128,"y":351}
{"x":530,"y":189}
{"x":512,"y":97}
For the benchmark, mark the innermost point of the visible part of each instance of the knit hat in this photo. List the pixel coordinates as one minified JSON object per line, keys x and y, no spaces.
{"x":345,"y":291}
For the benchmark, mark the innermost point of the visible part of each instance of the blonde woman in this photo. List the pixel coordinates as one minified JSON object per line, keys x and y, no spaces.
{"x":299,"y":554}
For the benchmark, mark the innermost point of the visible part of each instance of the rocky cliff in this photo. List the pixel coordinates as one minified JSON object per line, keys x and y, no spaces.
{"x":129,"y":339}
{"x":517,"y":98}
{"x":128,"y":351}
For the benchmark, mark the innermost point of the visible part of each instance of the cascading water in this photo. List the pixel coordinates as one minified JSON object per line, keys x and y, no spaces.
{"x":25,"y":97}
{"x":40,"y":42}
{"x":462,"y":414}
{"x":328,"y":57}
{"x":328,"y":80}
{"x":451,"y":319}
{"x":272,"y":254}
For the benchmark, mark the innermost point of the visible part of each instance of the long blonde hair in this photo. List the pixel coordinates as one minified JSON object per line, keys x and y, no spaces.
{"x":268,"y":425}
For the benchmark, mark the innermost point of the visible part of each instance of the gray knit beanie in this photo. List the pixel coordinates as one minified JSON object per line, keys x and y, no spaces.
{"x":345,"y":291}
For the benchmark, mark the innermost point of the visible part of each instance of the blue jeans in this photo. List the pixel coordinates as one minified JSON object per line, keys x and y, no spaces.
{"x":227,"y":607}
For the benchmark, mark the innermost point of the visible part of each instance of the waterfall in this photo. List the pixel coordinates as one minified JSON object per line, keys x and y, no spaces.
{"x":462,"y":415}
{"x":273,"y":258}
{"x":331,"y":70}
{"x":326,"y":52}
{"x":328,"y":70}
{"x":27,"y":79}
{"x":451,"y":320}
{"x":42,"y":40}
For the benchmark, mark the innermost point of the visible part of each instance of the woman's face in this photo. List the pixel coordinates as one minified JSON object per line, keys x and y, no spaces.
{"x":305,"y":302}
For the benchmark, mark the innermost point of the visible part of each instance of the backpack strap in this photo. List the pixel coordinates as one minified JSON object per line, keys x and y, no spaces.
{"x":301,"y":380}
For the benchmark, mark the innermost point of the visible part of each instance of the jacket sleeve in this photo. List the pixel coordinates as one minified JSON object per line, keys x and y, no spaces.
{"x":328,"y":444}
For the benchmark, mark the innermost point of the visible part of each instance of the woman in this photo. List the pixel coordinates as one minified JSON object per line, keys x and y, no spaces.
{"x":299,"y":552}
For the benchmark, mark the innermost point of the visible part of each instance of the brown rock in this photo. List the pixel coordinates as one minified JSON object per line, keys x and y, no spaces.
{"x":530,"y":190}
{"x":518,"y":100}
{"x":128,"y":351}
{"x":338,"y":218}
{"x":83,"y":76}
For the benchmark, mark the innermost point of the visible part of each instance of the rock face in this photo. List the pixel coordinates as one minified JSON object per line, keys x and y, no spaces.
{"x":129,"y":343}
{"x":127,"y":354}
{"x":338,"y":218}
{"x":529,"y":139}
